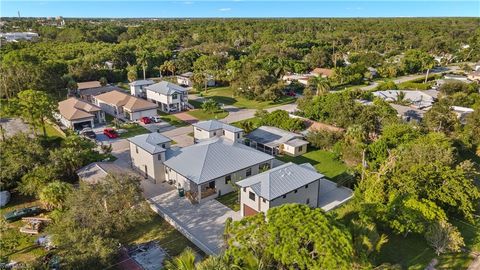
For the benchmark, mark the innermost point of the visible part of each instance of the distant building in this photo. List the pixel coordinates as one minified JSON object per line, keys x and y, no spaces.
{"x":456,"y":78}
{"x":462,"y":112}
{"x":122,"y":105}
{"x":301,"y":78}
{"x":86,"y":90}
{"x":322,"y":72}
{"x":185,"y":79}
{"x":137,"y":88}
{"x":274,"y":141}
{"x":418,"y":99}
{"x":169,"y":96}
{"x":18,"y":36}
{"x":77,"y":114}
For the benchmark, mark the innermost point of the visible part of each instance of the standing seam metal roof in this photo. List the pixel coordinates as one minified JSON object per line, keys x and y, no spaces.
{"x":212,"y":159}
{"x":211,"y":125}
{"x":166,"y":88}
{"x":150,"y":142}
{"x":281,"y":180}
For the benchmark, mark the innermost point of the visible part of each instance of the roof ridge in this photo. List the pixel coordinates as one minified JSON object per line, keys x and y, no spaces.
{"x":205,"y":159}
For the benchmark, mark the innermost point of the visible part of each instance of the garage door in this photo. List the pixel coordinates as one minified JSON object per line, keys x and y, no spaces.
{"x":82,"y":125}
{"x":248,"y":211}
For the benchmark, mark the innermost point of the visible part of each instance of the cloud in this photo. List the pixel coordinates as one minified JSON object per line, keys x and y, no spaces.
{"x":224,"y":9}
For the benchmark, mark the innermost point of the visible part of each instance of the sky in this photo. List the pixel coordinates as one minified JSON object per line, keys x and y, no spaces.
{"x":239,"y":8}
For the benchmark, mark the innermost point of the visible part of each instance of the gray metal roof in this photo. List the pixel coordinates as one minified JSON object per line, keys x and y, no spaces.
{"x":296,"y":142}
{"x":212,"y":159}
{"x":142,"y":82}
{"x":272,"y":136}
{"x":95,"y":172}
{"x":281,"y":180}
{"x":166,"y":88}
{"x":211,"y":125}
{"x":150,"y":142}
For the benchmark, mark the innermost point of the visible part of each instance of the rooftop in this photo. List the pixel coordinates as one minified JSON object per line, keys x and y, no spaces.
{"x":93,"y":173}
{"x":211,"y":125}
{"x":278,"y":181}
{"x":419,"y":99}
{"x":87,"y":85}
{"x":73,"y":109}
{"x":212,"y":159}
{"x":150,"y":142}
{"x":323,"y":71}
{"x":98,"y":90}
{"x":129,"y":102}
{"x":272,"y":136}
{"x":142,"y":82}
{"x":166,"y":88}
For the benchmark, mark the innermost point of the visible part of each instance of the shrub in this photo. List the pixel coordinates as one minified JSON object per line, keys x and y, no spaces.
{"x":324,"y":139}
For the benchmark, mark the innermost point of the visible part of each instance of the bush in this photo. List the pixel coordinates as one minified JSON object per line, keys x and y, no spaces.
{"x":324,"y":139}
{"x":415,"y":86}
{"x":280,"y":119}
{"x":387,"y":85}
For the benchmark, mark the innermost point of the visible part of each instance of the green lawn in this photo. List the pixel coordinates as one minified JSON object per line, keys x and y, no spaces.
{"x":324,"y":161}
{"x":157,"y":229}
{"x":172,"y":119}
{"x":132,"y":130}
{"x":225,"y":96}
{"x":195,"y":103}
{"x":27,"y":250}
{"x":230,"y":200}
{"x":202,"y":115}
{"x":414,"y":253}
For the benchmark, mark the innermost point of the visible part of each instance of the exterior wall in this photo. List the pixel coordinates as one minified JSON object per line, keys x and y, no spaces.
{"x":294,"y":151}
{"x":233,"y":135}
{"x":220,"y":185}
{"x":108,"y":108}
{"x":201,"y":134}
{"x":146,"y":113}
{"x":70,"y":124}
{"x":258,"y":205}
{"x":155,"y":167}
{"x":184,"y":81}
{"x":300,"y":197}
{"x":158,"y":98}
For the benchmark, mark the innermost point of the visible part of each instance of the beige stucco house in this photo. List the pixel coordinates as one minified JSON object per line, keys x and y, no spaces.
{"x":122,"y":105}
{"x":275,"y":141}
{"x":77,"y":114}
{"x":213,"y":128}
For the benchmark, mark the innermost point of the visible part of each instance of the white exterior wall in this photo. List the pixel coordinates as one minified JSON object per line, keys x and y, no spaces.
{"x":201,"y":134}
{"x":258,"y":205}
{"x":146,"y":113}
{"x":155,"y":167}
{"x":300,"y":197}
{"x":108,"y":108}
{"x":135,"y":90}
{"x":184,"y":81}
{"x":294,"y":151}
{"x":233,"y":135}
{"x":156,"y":97}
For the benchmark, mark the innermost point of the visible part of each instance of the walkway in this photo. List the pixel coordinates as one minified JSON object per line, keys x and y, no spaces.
{"x":203,"y":223}
{"x":180,"y":135}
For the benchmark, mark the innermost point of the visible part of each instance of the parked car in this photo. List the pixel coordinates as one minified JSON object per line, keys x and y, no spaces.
{"x":145,"y":120}
{"x":88,"y":133}
{"x":110,"y":133}
{"x":20,"y":213}
{"x":156,"y":119}
{"x":291,"y":93}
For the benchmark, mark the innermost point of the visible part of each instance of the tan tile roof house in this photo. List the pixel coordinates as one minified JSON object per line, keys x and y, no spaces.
{"x":88,"y":85}
{"x":75,"y":113}
{"x":121,"y":104}
{"x":324,"y":72}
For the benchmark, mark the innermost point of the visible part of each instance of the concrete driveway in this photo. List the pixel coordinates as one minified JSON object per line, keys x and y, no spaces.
{"x":202,"y":223}
{"x":180,"y":135}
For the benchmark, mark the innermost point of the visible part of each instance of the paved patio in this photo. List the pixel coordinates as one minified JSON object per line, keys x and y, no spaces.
{"x":203,"y":223}
{"x":332,"y":196}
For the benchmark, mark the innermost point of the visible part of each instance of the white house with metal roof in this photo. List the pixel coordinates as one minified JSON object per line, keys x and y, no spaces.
{"x":290,"y":183}
{"x":169,"y":96}
{"x":137,"y":88}
{"x":418,"y":99}
{"x":276,"y":141}
{"x":211,"y":167}
{"x":147,"y":153}
{"x":213,"y":128}
{"x":186,"y":79}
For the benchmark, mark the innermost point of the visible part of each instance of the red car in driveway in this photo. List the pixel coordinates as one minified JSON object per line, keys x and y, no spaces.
{"x":146,"y":120}
{"x":110,"y":133}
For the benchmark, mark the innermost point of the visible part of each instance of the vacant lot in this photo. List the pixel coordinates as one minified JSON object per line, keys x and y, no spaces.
{"x":225,"y":96}
{"x":203,"y":115}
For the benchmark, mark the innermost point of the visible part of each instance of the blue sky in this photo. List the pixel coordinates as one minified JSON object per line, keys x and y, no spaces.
{"x":239,"y":8}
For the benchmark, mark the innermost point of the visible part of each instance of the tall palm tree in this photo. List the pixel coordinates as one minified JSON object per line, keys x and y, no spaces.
{"x":184,"y":261}
{"x":321,"y":85}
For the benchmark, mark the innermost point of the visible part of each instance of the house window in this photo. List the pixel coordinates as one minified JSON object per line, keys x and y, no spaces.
{"x":136,"y":149}
{"x":214,"y":133}
{"x":295,"y":191}
{"x":264,"y":200}
{"x":284,"y":196}
{"x":228,"y":178}
{"x":159,"y":156}
{"x":306,"y":186}
{"x":199,"y":129}
{"x":249,"y":172}
{"x":300,"y":149}
{"x":238,"y":135}
{"x":223,"y":132}
{"x":308,"y":200}
{"x":174,"y":96}
{"x":163,"y":145}
{"x":244,"y":189}
{"x":251,"y":195}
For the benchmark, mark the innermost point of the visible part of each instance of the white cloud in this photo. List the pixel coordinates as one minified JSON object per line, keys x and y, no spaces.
{"x":224,"y":9}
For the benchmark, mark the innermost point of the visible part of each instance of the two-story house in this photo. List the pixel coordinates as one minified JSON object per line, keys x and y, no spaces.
{"x":77,"y":114}
{"x":137,"y":88}
{"x":169,"y":96}
{"x":125,"y":106}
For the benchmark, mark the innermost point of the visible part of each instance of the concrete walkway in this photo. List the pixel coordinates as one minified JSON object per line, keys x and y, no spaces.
{"x":180,"y":135}
{"x":203,"y":223}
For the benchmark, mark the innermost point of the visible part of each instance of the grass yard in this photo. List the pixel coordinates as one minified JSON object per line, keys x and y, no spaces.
{"x":324,"y":161}
{"x":203,"y":115}
{"x":157,"y":229}
{"x":230,"y":200}
{"x":195,"y":103}
{"x":133,"y":130}
{"x":27,"y":250}
{"x":172,"y":119}
{"x":225,"y":96}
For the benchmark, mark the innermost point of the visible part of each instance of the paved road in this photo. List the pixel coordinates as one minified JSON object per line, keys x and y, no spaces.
{"x":414,"y":76}
{"x":236,"y":114}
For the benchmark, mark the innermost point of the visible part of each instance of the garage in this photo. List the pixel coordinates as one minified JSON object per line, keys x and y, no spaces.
{"x":248,"y":211}
{"x":82,"y":125}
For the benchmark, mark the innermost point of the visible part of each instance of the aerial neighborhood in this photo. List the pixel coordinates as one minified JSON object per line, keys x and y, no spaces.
{"x":225,"y":144}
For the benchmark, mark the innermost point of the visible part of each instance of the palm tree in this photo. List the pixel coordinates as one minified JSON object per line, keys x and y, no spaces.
{"x":184,"y":261}
{"x":321,"y":85}
{"x":55,"y":194}
{"x":143,"y":58}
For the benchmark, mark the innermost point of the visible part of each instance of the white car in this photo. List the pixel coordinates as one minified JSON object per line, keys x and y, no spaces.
{"x":156,"y":119}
